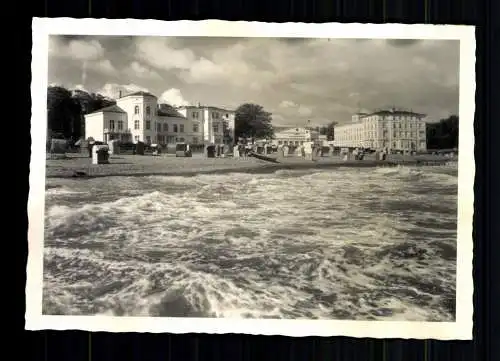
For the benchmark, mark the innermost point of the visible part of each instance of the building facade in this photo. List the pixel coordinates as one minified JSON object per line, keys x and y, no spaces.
{"x":295,"y":136}
{"x":139,"y":117}
{"x":397,"y":130}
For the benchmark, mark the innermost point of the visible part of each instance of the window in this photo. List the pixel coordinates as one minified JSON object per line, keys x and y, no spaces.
{"x":148,"y":139}
{"x":165,"y":127}
{"x":120,"y":125}
{"x":227,"y":115}
{"x":158,"y":127}
{"x":170,"y":139}
{"x":181,"y":139}
{"x":181,"y":128}
{"x":111,"y":124}
{"x":136,"y":138}
{"x":175,"y":128}
{"x":195,"y":140}
{"x":215,"y":128}
{"x":195,"y":128}
{"x":136,"y":124}
{"x":148,"y":110}
{"x":195,"y":115}
{"x":136,"y":109}
{"x":148,"y":124}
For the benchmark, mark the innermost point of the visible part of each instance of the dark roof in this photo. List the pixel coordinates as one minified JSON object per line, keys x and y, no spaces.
{"x":110,"y":109}
{"x":392,"y":112}
{"x":139,"y":93}
{"x":201,"y":106}
{"x":167,"y":110}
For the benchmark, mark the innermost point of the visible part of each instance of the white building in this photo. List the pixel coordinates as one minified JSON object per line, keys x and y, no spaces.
{"x":139,"y":117}
{"x":393,"y":129}
{"x":295,"y":136}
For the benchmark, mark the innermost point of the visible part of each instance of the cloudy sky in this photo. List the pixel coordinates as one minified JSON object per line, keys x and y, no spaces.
{"x":297,"y":80}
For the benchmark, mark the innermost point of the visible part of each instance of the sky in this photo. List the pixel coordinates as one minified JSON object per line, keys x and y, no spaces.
{"x":297,"y":80}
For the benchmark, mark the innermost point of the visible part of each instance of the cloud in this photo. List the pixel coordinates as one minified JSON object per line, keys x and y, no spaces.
{"x":157,"y":52}
{"x":112,"y":90}
{"x":89,"y":53}
{"x":294,"y":107}
{"x":80,"y":87}
{"x":103,"y":66}
{"x":141,"y":71}
{"x":287,"y":104}
{"x":295,"y":79}
{"x":75,"y":49}
{"x":173,"y":97}
{"x":402,"y":42}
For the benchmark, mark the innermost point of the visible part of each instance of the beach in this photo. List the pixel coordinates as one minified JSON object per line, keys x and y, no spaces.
{"x":135,"y":165}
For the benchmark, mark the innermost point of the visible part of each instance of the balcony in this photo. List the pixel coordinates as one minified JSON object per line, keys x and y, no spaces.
{"x":116,"y":131}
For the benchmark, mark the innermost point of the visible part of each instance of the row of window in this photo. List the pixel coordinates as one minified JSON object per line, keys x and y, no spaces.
{"x":162,"y":139}
{"x":137,"y":110}
{"x":385,"y":134}
{"x":112,"y":124}
{"x":215,"y":115}
{"x":177,"y":128}
{"x":196,"y":115}
{"x":394,"y":145}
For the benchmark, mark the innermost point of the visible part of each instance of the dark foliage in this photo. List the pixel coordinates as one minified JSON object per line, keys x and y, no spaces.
{"x":66,"y":110}
{"x":252,"y":121}
{"x":443,"y":134}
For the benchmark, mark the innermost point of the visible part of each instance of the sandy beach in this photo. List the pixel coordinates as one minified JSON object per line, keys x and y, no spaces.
{"x":130,"y":165}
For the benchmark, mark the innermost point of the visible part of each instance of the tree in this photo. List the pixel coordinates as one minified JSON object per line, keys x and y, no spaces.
{"x":252,"y":121}
{"x":66,"y":110}
{"x":443,"y":134}
{"x":63,"y":112}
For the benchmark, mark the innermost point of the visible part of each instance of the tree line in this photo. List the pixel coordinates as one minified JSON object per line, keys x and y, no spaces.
{"x":66,"y":110}
{"x":443,"y":134}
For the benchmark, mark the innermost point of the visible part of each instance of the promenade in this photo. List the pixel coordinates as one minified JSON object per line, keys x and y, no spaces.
{"x":134,"y":165}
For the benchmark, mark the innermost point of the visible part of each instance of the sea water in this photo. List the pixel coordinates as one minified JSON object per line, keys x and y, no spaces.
{"x":360,"y":244}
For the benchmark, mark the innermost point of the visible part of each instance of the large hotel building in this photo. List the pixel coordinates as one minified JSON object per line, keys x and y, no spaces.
{"x":397,"y":130}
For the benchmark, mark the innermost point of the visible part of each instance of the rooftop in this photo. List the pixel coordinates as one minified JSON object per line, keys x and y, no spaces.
{"x":139,"y":93}
{"x":200,"y":106}
{"x":392,"y":112}
{"x":110,"y":109}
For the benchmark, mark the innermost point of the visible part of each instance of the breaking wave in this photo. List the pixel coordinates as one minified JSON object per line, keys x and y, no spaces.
{"x":360,"y":244}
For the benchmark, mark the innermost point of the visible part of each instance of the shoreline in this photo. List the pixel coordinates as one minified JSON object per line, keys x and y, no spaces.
{"x":80,"y":168}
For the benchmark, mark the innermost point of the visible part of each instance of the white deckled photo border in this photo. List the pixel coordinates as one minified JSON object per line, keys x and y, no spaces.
{"x":460,"y":329}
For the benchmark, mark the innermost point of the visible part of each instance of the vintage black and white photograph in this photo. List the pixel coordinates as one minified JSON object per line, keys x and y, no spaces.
{"x":263,"y":178}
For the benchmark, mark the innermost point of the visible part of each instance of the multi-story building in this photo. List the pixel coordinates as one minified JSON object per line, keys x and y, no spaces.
{"x":398,"y":130}
{"x":295,"y":136}
{"x":212,"y":125}
{"x":139,"y":117}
